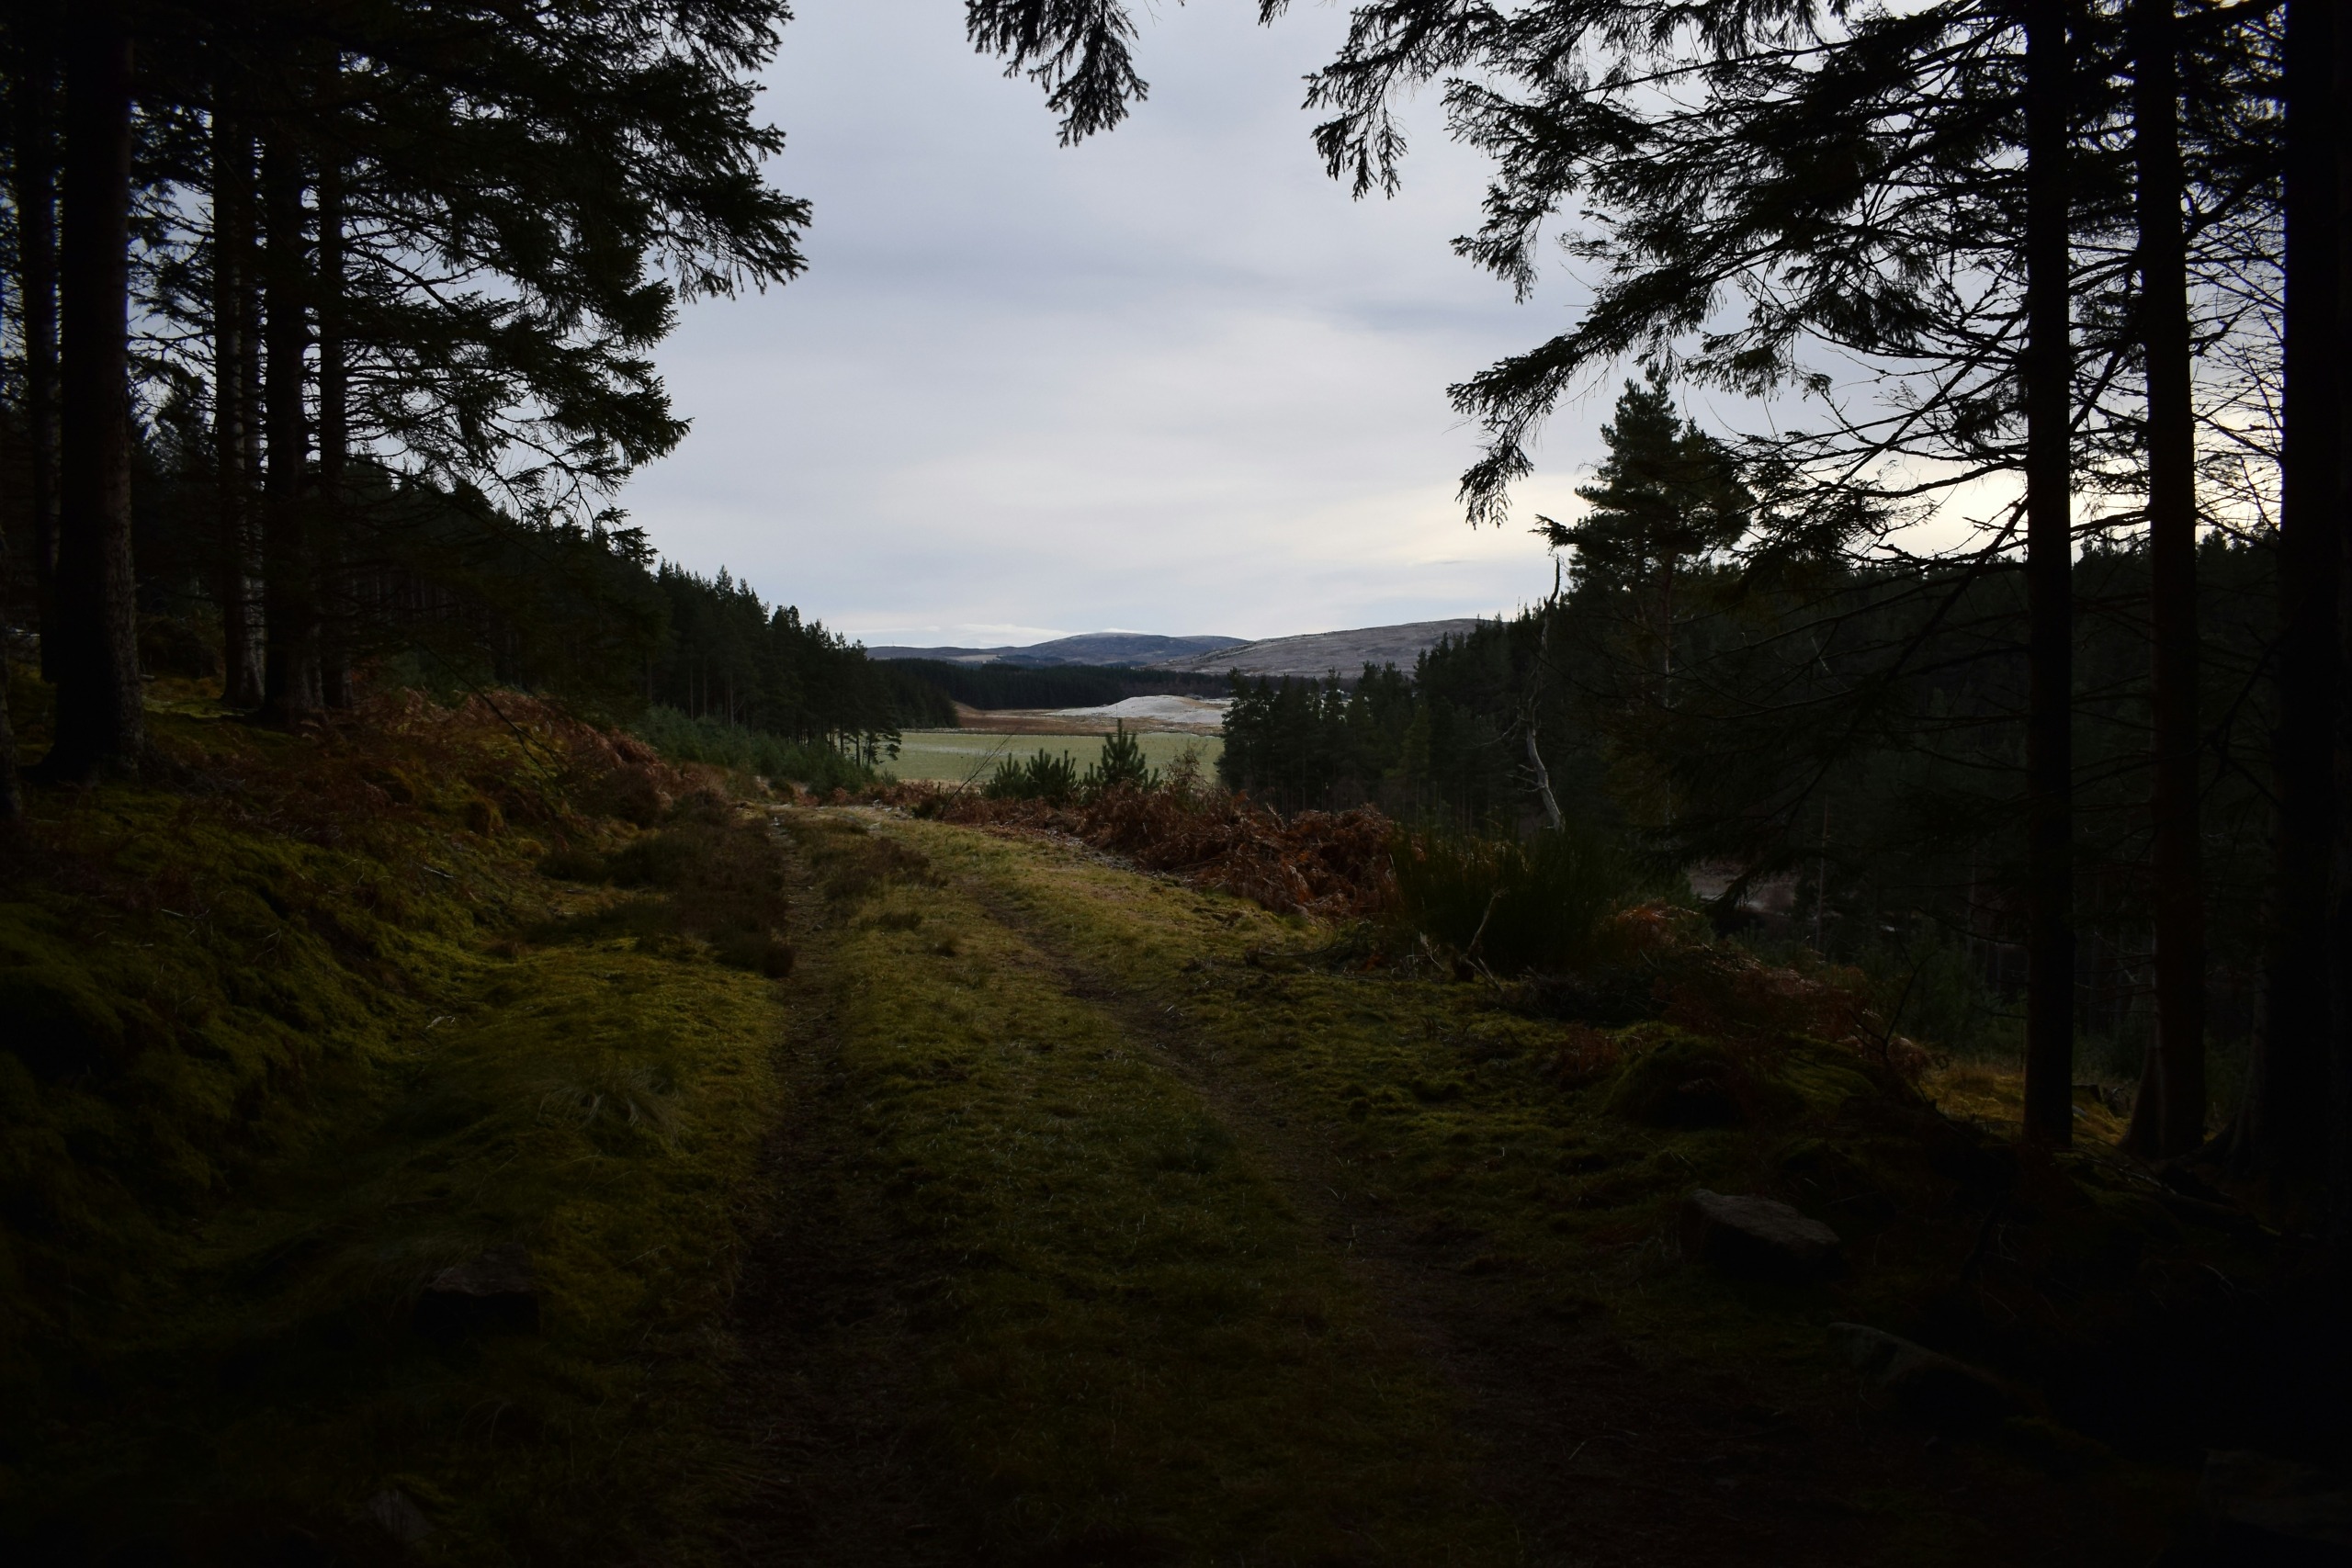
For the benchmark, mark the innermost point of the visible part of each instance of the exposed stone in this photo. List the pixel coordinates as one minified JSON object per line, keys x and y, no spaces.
{"x":1927,"y":1384}
{"x":401,"y":1518}
{"x":494,"y":1293}
{"x":2253,"y":1498}
{"x":1758,"y":1237}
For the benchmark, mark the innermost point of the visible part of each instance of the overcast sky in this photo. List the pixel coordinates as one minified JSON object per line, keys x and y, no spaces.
{"x":1170,"y":380}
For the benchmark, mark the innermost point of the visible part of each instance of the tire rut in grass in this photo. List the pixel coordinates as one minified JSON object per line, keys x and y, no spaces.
{"x":1596,"y":1456}
{"x":1576,"y":1441}
{"x":1015,"y":1292}
{"x":821,"y":1397}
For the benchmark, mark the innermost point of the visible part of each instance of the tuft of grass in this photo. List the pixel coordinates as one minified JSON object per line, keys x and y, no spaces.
{"x":720,"y":879}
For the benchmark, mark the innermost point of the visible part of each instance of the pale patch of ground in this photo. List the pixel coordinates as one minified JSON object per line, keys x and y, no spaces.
{"x":1191,"y":712}
{"x":1192,"y":715}
{"x":951,"y":756}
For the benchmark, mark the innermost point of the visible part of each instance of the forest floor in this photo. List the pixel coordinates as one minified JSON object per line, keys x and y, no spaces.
{"x":1104,"y":1225}
{"x":1048,"y":1213}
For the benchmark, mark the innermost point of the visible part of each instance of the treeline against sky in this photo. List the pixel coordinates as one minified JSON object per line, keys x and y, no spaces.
{"x":1841,"y":750}
{"x":1999,"y":288}
{"x":329,"y":343}
{"x":730,"y":656}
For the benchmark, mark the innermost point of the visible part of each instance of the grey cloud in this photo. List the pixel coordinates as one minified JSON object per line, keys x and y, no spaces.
{"x":1171,"y":379}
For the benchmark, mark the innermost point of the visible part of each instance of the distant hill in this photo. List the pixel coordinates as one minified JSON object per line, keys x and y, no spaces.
{"x":1122,"y":649}
{"x":1322,"y":653}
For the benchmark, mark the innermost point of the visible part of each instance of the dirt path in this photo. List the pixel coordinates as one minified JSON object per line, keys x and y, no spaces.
{"x":820,"y":1396}
{"x":926,"y":1355}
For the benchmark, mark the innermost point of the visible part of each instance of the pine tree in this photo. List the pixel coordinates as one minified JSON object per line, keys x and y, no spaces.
{"x":2169,"y":1117}
{"x":1667,"y":499}
{"x":101,"y":720}
{"x":34,"y":169}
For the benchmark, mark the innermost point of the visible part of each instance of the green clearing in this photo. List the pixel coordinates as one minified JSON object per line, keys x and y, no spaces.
{"x":951,"y":756}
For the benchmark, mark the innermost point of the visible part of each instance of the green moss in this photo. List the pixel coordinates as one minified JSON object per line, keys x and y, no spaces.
{"x":282,"y":1061}
{"x":1492,"y":1137}
{"x":1139,"y":1341}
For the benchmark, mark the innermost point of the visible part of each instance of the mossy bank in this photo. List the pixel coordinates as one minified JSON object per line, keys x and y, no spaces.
{"x":297,"y":1025}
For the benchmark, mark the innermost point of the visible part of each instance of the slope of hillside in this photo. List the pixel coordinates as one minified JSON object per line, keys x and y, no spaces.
{"x":1322,"y":654}
{"x":1110,"y":648}
{"x":367,"y":1188}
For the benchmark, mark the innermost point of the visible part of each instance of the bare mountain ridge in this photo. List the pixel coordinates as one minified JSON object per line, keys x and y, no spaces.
{"x":1312,"y":655}
{"x":1117,"y":649}
{"x":1317,"y":654}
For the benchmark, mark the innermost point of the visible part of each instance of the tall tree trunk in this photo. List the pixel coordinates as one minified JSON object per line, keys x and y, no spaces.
{"x":2047,"y":370}
{"x":101,"y":722}
{"x":290,"y":665}
{"x":239,"y":565}
{"x":2169,"y":1117}
{"x":334,"y":444}
{"x":2340,"y":934}
{"x":12,"y":797}
{"x":249,"y":318}
{"x":36,"y":181}
{"x":2282,"y":1130}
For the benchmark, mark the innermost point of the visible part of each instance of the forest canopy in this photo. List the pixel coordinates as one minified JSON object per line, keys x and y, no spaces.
{"x":331,"y":334}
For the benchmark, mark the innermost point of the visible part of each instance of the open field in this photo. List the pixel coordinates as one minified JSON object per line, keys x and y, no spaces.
{"x":954,"y":755}
{"x":1202,"y":719}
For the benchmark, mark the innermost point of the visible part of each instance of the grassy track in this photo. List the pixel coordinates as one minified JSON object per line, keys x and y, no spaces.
{"x":1135,"y":1350}
{"x":1207,"y":1255}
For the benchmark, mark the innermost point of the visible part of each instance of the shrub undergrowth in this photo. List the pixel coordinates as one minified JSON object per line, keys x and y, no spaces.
{"x":1511,"y":905}
{"x":813,"y":764}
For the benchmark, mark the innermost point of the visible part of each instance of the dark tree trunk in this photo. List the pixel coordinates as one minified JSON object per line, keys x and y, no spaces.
{"x":2282,"y":1130}
{"x":2047,"y":371}
{"x":238,"y":568}
{"x":12,"y":797}
{"x":2169,"y":1117}
{"x":2340,"y":933}
{"x":36,"y":172}
{"x":290,"y":672}
{"x":100,"y":719}
{"x":335,"y":445}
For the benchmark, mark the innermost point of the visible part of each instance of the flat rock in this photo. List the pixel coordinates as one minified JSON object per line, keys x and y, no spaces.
{"x":1927,"y":1385}
{"x":1757,"y":1237}
{"x":493,"y":1293}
